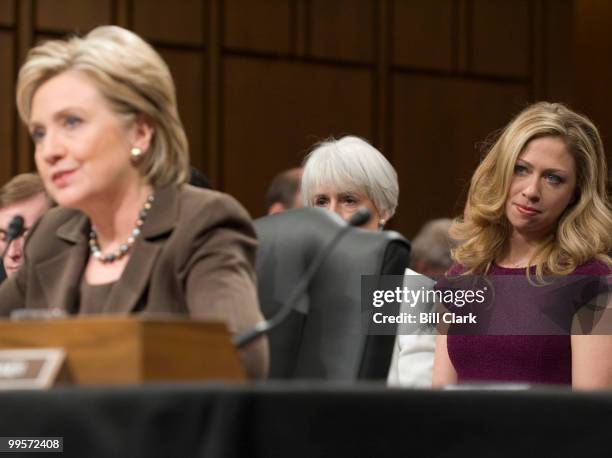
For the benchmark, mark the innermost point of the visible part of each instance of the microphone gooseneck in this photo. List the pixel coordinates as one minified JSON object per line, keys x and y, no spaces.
{"x":359,"y":218}
{"x":14,"y":230}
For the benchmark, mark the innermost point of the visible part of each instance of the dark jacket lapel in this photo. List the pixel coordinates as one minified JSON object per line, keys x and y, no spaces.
{"x":130,"y":292}
{"x":60,"y":276}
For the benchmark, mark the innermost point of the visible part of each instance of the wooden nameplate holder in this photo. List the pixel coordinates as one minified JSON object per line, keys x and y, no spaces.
{"x":130,"y":350}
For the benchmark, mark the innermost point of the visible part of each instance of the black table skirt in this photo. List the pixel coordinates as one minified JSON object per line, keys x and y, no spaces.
{"x":310,"y":420}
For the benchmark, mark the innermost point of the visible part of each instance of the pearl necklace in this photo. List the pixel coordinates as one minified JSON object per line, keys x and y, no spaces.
{"x":124,"y":248}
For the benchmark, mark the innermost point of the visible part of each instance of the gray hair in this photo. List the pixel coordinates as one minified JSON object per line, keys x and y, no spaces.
{"x":433,"y":244}
{"x":351,"y":163}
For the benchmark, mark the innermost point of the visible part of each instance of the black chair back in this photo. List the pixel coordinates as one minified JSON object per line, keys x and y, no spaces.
{"x":323,"y":337}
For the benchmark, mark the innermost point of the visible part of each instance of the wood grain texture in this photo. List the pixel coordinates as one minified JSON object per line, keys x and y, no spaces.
{"x":72,"y":15}
{"x":500,"y":37}
{"x":592,"y":50}
{"x":7,"y":119}
{"x":130,"y":350}
{"x":187,"y":68}
{"x":25,"y":40}
{"x":438,"y":128}
{"x":558,"y":82}
{"x":170,"y":21}
{"x":7,"y":12}
{"x":264,"y":25}
{"x":342,"y":29}
{"x":274,"y":111}
{"x":422,"y":34}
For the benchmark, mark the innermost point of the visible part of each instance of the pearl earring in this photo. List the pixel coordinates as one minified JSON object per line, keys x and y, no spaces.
{"x":136,"y":153}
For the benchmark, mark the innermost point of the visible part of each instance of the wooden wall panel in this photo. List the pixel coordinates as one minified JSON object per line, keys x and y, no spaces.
{"x":558,"y":80}
{"x":187,"y":69}
{"x":423,"y":34}
{"x":7,"y":12}
{"x":275,"y":111}
{"x":437,"y":125}
{"x":72,"y":15}
{"x":7,"y":125}
{"x":249,"y":117}
{"x":342,"y":29}
{"x":264,"y":25}
{"x":593,"y":65}
{"x":170,"y":21}
{"x":500,"y":37}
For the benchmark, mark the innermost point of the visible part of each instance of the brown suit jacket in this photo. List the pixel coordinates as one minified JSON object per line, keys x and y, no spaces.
{"x":195,"y":256}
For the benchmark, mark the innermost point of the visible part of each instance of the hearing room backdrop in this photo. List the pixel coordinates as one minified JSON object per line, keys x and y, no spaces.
{"x":261,"y":81}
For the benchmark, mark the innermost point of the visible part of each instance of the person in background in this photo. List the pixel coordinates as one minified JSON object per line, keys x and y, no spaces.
{"x":347,"y":174}
{"x":413,"y":354}
{"x":129,"y":235}
{"x":284,"y":191}
{"x":538,"y":204}
{"x":431,"y":248}
{"x":23,"y":195}
{"x":198,"y":179}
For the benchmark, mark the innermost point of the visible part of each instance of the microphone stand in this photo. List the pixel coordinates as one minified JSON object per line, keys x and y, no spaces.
{"x":14,"y":230}
{"x":360,"y":217}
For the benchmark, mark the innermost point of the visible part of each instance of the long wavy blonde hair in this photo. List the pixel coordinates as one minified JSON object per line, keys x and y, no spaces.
{"x":584,"y":230}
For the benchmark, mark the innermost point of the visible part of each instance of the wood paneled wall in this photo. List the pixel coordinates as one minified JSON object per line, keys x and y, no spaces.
{"x":592,"y":47}
{"x":260,"y":81}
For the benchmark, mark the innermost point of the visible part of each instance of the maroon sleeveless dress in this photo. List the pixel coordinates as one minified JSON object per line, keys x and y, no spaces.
{"x":537,"y":359}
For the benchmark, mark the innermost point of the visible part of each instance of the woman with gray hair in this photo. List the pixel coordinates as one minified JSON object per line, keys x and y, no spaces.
{"x":347,"y":174}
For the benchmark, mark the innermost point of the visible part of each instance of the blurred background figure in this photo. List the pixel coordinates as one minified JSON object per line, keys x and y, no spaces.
{"x":23,"y":195}
{"x":413,"y":355}
{"x":198,"y":179}
{"x":431,"y":248}
{"x":347,"y":174}
{"x":284,"y":191}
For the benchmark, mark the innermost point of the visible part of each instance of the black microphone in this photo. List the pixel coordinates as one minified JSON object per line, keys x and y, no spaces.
{"x":359,"y":218}
{"x":14,"y":230}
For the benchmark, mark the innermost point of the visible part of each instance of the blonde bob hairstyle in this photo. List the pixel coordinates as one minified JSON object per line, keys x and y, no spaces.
{"x":134,"y":80}
{"x":351,"y":164}
{"x":583,"y":230}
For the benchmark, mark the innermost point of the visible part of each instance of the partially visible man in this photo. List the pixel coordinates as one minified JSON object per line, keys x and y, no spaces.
{"x":284,"y":191}
{"x":23,"y":195}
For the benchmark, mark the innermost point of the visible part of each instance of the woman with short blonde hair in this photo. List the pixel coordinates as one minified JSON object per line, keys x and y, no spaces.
{"x":133,"y":79}
{"x":129,"y":236}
